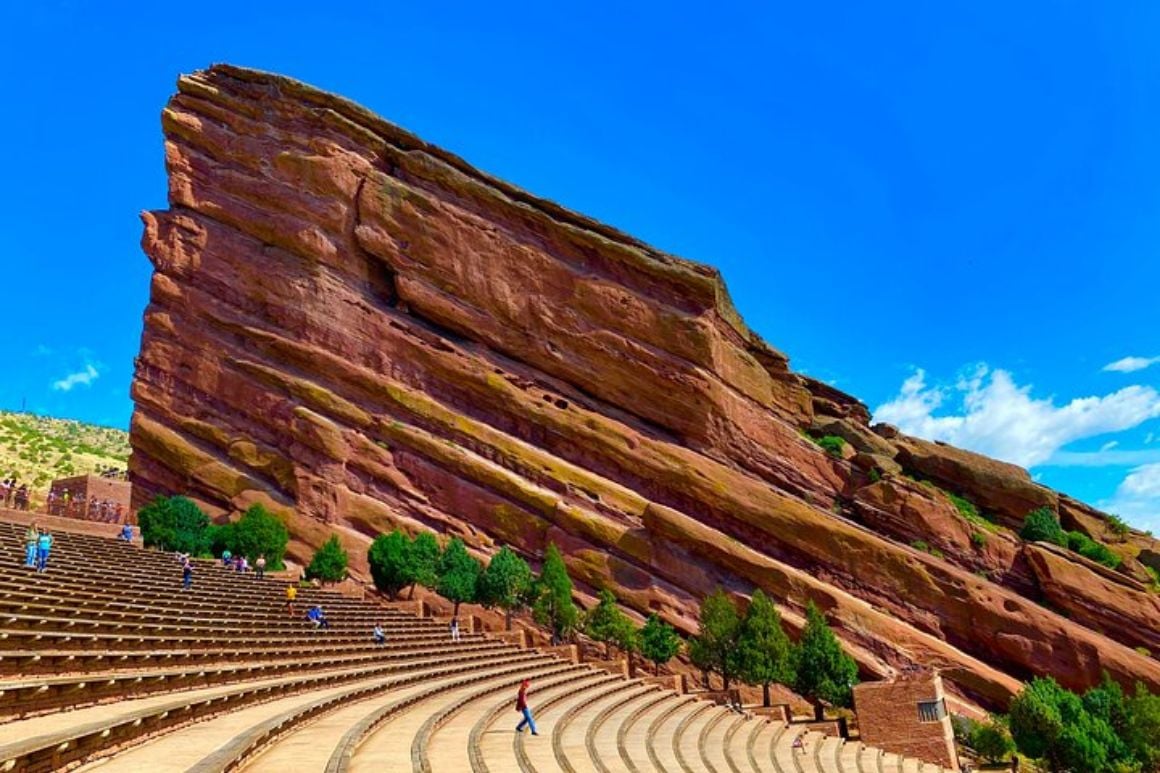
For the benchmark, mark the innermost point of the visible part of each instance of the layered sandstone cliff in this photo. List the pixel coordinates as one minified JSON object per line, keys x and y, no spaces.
{"x":362,"y":331}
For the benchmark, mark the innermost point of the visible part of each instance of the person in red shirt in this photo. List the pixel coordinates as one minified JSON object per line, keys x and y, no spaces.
{"x":522,"y":707}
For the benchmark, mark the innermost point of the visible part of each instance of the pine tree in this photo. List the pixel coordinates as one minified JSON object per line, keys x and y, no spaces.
{"x":606,"y":623}
{"x":823,"y":671}
{"x":658,"y":642}
{"x":458,"y":575}
{"x":506,"y":583}
{"x":553,"y":606}
{"x":329,"y":562}
{"x":764,"y":651}
{"x":715,"y":645}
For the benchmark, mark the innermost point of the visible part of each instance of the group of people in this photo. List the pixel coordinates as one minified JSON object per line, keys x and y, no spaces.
{"x":14,"y":494}
{"x":71,"y":505}
{"x":37,"y":547}
{"x":242,"y":564}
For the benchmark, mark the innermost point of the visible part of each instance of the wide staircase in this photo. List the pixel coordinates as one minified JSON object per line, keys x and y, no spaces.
{"x":106,"y":663}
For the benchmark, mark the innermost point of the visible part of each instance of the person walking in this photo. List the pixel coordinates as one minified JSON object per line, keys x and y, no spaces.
{"x":43,"y":548}
{"x":260,"y":567}
{"x":31,"y":539}
{"x":522,"y":707}
{"x":455,"y":629}
{"x":186,"y":574}
{"x":291,"y":595}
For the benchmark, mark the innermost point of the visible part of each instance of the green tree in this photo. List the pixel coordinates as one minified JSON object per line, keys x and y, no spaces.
{"x":714,"y":648}
{"x":506,"y":583}
{"x":329,"y":561}
{"x":554,"y":606}
{"x":458,"y":575}
{"x":175,"y":523}
{"x":1042,"y":525}
{"x":991,"y":740}
{"x":1141,"y":731}
{"x":605,"y":622}
{"x":1052,"y":723}
{"x":764,"y":651}
{"x":258,"y":532}
{"x":423,"y":561}
{"x":659,"y":642}
{"x":390,"y":560}
{"x":823,"y":672}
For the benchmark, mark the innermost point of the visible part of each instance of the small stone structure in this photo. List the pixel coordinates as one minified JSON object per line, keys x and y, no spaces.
{"x":83,"y":487}
{"x":908,"y":716}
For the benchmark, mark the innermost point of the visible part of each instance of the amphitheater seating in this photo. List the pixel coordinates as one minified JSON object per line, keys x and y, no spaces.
{"x":106,"y":663}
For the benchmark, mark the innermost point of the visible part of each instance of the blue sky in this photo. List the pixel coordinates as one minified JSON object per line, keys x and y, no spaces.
{"x":951,"y":210}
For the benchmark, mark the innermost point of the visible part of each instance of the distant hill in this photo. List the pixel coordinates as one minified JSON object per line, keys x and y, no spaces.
{"x":38,"y":449}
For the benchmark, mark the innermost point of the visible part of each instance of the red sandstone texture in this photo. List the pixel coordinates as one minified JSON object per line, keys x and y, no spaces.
{"x":361,"y":331}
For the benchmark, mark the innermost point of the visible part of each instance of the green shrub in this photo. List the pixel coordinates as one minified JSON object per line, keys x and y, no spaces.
{"x":1089,"y":548}
{"x":979,"y":539}
{"x":175,"y":523}
{"x":329,"y":562}
{"x":875,"y":476}
{"x":1042,"y":525}
{"x":831,"y":444}
{"x":936,"y":553}
{"x":920,"y":545}
{"x":1117,"y":526}
{"x":991,"y":740}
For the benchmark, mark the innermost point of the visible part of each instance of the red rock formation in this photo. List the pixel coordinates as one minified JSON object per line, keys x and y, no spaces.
{"x":361,"y":331}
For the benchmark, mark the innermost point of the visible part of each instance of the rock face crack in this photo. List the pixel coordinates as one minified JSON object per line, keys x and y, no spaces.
{"x":360,"y":331}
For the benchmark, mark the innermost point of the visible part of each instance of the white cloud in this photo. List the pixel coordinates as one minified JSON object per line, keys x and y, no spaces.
{"x":1108,"y":446}
{"x":1149,"y":438}
{"x":1112,"y":458}
{"x":1131,"y":364}
{"x":1137,"y":499}
{"x":83,"y":377}
{"x":993,"y":415}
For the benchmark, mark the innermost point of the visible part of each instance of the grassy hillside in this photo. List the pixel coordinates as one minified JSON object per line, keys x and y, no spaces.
{"x":37,"y":449}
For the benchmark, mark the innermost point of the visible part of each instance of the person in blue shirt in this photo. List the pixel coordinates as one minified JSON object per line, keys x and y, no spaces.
{"x":43,"y":548}
{"x":126,"y":533}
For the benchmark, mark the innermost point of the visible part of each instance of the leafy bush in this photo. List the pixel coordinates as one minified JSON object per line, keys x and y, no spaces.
{"x":1042,"y":525}
{"x":175,"y":523}
{"x":875,"y":476}
{"x":606,"y":623}
{"x":1089,"y":548}
{"x":991,"y":740}
{"x":920,"y":545}
{"x":831,"y":444}
{"x":329,"y":562}
{"x":258,"y":532}
{"x":979,"y":539}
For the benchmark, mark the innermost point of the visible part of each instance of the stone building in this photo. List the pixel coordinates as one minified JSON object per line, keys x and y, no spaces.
{"x":83,"y":487}
{"x":908,"y":716}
